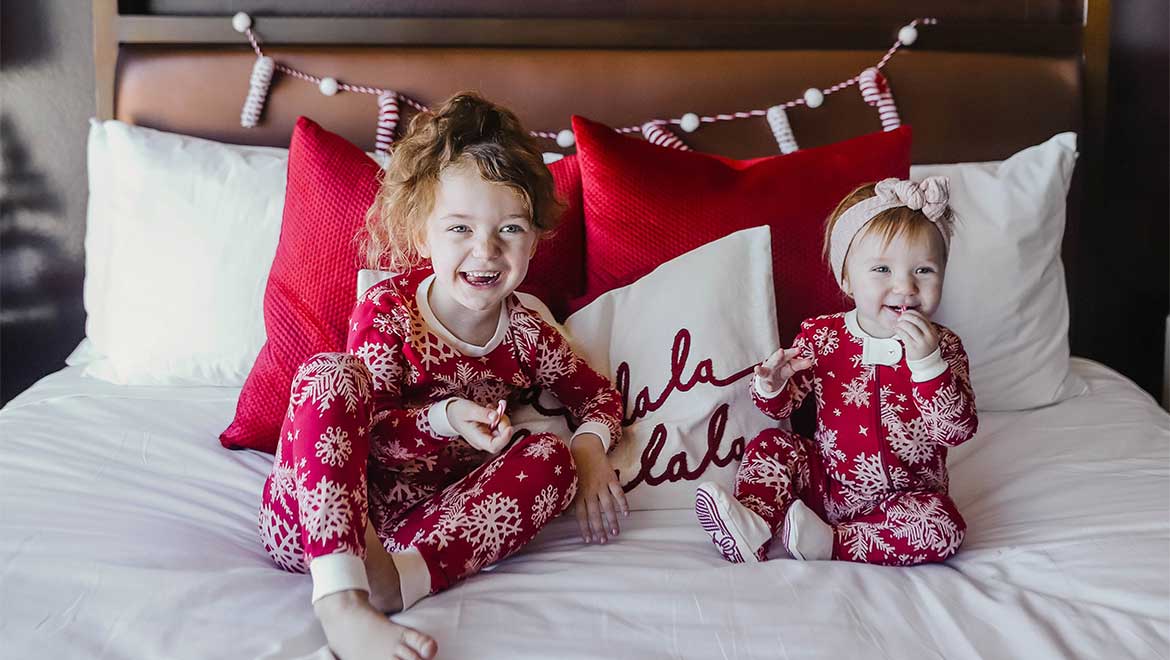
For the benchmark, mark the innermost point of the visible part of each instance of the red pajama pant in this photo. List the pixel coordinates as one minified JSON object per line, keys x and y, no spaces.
{"x":456,"y":510}
{"x":897,"y":528}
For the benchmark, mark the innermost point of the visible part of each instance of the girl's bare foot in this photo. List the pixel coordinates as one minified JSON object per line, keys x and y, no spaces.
{"x":356,"y":630}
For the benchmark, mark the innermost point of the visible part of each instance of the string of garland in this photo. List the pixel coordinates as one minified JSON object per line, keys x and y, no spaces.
{"x":874,"y":87}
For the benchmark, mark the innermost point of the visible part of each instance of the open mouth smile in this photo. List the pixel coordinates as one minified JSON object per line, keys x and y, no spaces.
{"x":481,"y":279}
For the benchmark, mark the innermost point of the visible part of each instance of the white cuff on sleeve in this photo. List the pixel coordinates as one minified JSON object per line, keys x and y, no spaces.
{"x":758,"y":386}
{"x":928,"y":368}
{"x":440,"y":422}
{"x":600,"y":429}
{"x":414,"y":577}
{"x":339,"y":571}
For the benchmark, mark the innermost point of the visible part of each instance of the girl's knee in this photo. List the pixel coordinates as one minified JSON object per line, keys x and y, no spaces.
{"x":548,"y":455}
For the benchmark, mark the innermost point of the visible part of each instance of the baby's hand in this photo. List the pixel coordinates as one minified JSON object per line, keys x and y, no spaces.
{"x":485,"y":429}
{"x":599,"y":493}
{"x":917,"y":334}
{"x":779,"y":367}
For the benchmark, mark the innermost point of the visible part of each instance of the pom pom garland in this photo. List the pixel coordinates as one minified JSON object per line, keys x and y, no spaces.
{"x":781,"y":130}
{"x":257,"y":91}
{"x":656,"y":132}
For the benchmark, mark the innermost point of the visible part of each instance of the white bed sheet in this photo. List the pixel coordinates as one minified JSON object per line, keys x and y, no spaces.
{"x":127,"y":532}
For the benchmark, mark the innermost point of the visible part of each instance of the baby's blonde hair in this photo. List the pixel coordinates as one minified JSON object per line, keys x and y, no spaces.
{"x":465,"y":130}
{"x":890,"y":224}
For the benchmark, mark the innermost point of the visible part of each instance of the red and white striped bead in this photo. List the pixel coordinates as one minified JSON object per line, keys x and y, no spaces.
{"x":657,"y":132}
{"x":875,"y":90}
{"x":387,"y":122}
{"x":781,"y":129}
{"x":257,"y":91}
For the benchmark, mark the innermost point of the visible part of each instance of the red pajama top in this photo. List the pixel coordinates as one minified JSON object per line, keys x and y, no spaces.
{"x":417,"y":364}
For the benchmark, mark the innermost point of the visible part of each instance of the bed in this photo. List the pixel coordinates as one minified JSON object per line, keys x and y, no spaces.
{"x":126,"y":530}
{"x":129,"y":535}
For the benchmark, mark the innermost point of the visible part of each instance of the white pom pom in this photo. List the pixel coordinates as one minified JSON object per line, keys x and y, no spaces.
{"x":813,"y":97}
{"x":908,"y":35}
{"x":566,"y":139}
{"x":690,"y":122}
{"x":328,"y":86}
{"x":241,"y":21}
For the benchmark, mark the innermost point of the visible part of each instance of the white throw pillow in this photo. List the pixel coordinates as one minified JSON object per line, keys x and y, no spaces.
{"x":680,"y":344}
{"x":1005,"y":292}
{"x":180,"y":236}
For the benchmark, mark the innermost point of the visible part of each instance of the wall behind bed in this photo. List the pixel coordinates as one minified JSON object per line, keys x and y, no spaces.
{"x":47,"y":90}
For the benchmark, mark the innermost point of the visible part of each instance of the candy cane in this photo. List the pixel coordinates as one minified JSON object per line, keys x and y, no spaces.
{"x":781,"y":129}
{"x":875,"y":90}
{"x":257,"y":91}
{"x":387,"y":122}
{"x":657,"y":133}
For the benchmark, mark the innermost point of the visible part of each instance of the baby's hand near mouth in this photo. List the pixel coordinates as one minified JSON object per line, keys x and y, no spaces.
{"x":917,"y":333}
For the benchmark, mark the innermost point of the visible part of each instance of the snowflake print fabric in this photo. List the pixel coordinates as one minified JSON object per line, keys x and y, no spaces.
{"x":876,"y":466}
{"x":358,"y":444}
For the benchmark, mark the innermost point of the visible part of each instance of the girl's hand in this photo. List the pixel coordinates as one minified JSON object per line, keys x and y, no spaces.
{"x":598,"y":491}
{"x":917,"y":334}
{"x":779,"y":367}
{"x":482,"y":428}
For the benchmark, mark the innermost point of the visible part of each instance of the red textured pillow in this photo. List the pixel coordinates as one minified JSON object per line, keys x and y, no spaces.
{"x":313,"y":281}
{"x":645,"y":205}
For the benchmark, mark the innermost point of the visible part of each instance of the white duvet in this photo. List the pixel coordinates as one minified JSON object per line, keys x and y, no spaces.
{"x":127,"y":532}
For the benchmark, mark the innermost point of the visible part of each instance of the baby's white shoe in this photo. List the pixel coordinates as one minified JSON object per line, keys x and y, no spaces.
{"x":738,"y":532}
{"x":806,"y":536}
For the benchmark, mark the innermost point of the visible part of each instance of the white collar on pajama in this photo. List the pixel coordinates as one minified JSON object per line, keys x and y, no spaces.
{"x":874,"y":350}
{"x":470,"y":350}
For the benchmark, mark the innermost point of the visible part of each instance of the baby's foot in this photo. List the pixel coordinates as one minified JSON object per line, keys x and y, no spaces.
{"x":806,"y":536}
{"x":736,"y":530}
{"x":356,"y":630}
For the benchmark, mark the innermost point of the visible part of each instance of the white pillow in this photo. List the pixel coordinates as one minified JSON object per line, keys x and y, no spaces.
{"x":1005,"y":293}
{"x":180,"y":236}
{"x":706,"y":315}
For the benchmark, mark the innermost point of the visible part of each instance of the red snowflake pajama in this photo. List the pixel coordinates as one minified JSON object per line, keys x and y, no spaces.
{"x":876,"y":468}
{"x":443,"y":516}
{"x":367,"y":435}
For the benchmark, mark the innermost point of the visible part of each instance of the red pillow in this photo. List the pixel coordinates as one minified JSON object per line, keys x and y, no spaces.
{"x":645,"y":205}
{"x":312,"y":285}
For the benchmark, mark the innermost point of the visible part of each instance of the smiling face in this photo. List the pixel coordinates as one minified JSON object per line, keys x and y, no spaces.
{"x":886,"y":279}
{"x":479,"y":237}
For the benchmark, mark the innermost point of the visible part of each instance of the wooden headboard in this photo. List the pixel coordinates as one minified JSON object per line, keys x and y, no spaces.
{"x":977,"y":86}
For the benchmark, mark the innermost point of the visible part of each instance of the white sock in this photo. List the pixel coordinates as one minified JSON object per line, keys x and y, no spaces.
{"x":806,"y":536}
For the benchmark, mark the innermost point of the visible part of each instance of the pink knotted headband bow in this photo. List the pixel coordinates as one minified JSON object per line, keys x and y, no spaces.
{"x":931,"y":196}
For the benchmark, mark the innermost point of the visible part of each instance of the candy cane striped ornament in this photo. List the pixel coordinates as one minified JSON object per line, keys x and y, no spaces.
{"x":875,"y":90}
{"x":781,"y":129}
{"x":657,"y":133}
{"x":387,"y":122}
{"x":257,"y":91}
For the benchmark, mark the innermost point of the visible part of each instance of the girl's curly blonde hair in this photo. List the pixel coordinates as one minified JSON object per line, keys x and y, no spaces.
{"x":466,"y":130}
